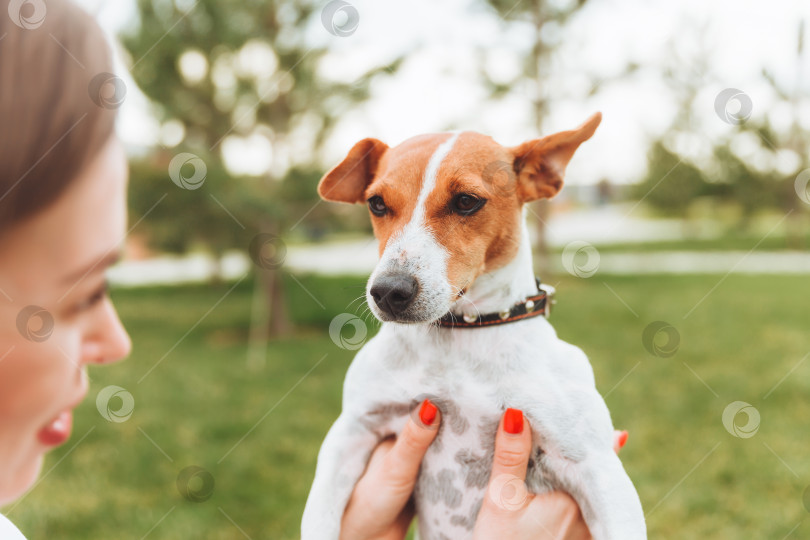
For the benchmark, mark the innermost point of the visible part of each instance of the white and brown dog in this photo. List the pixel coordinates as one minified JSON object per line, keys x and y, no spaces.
{"x":447,"y":210}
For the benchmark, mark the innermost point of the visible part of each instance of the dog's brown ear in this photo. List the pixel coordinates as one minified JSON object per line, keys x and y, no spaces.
{"x":347,"y":181}
{"x":540,"y":164}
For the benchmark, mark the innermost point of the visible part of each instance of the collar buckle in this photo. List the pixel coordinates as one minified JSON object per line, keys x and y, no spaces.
{"x":550,"y":291}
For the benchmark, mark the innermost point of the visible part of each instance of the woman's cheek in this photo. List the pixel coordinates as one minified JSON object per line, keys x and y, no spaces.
{"x":35,"y":379}
{"x":28,"y":383}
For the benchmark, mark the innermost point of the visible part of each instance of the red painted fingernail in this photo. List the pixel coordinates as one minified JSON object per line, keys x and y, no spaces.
{"x":623,"y":438}
{"x":513,"y":421}
{"x":427,"y":413}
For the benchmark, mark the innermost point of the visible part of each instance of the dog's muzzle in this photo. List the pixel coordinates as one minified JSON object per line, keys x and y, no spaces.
{"x":394,"y":293}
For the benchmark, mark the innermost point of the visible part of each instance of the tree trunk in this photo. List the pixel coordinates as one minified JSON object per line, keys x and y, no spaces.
{"x":279,"y":319}
{"x":216,"y":278}
{"x":259,"y":326}
{"x":543,"y":252}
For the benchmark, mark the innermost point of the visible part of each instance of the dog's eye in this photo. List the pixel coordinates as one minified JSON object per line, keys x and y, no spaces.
{"x":466,"y":204}
{"x":377,"y":205}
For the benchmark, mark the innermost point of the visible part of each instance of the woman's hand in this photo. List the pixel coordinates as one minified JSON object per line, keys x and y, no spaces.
{"x":380,"y":507}
{"x":509,"y":510}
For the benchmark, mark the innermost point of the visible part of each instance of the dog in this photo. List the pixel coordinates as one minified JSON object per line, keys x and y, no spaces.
{"x":457,"y":297}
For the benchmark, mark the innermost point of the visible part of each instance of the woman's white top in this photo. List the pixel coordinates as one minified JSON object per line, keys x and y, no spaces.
{"x":8,"y":531}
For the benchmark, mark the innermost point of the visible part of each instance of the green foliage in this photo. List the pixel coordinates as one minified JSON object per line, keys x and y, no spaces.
{"x":219,"y":30}
{"x":671,"y":183}
{"x":754,"y":183}
{"x":177,"y":220}
{"x":201,"y":400}
{"x":748,"y":188}
{"x":256,"y":73}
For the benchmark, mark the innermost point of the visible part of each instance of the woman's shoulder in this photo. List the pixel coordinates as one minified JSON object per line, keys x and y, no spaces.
{"x":8,"y":531}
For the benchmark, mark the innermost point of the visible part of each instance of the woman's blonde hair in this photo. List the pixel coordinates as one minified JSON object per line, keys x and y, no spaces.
{"x":54,"y":59}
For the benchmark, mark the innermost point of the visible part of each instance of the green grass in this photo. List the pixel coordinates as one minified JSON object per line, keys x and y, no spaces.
{"x":200,"y":401}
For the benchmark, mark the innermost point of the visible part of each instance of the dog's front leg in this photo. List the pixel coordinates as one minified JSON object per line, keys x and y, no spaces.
{"x":605,"y":494}
{"x":341,"y":461}
{"x":573,"y":437}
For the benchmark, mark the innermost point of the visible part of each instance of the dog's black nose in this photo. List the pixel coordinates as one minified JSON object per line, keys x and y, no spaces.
{"x":393,"y":293}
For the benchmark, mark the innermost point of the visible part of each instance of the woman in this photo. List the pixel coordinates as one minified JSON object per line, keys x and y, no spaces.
{"x":63,"y":177}
{"x":63,"y":181}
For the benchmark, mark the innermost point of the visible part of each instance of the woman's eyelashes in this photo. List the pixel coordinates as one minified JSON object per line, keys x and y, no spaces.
{"x":95,"y":297}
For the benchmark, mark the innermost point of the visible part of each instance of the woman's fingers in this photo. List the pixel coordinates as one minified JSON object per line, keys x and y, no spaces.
{"x":509,"y":510}
{"x":513,"y":443}
{"x":402,"y":462}
{"x":379,"y":507}
{"x":560,"y":516}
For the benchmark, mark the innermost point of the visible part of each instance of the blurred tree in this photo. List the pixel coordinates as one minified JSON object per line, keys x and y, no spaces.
{"x":547,"y":19}
{"x":235,"y":74}
{"x":753,"y":181}
{"x":671,"y":183}
{"x":541,"y":14}
{"x":795,"y":141}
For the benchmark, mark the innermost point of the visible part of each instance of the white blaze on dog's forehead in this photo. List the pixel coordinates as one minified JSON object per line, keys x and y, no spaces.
{"x":414,"y":250}
{"x":429,"y":181}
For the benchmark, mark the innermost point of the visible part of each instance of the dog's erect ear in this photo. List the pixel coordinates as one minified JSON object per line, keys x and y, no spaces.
{"x":347,"y":181}
{"x":540,"y":164}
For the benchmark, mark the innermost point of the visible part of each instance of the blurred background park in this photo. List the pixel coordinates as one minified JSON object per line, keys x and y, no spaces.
{"x":679,"y":245}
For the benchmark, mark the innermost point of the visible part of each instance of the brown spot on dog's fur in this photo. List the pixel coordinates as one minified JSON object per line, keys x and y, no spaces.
{"x":399,"y":179}
{"x":488,"y":239}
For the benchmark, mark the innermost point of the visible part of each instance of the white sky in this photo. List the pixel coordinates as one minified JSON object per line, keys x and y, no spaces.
{"x":435,"y":90}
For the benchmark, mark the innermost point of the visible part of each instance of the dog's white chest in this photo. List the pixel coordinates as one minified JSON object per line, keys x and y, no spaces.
{"x":455,"y":470}
{"x":472,"y":376}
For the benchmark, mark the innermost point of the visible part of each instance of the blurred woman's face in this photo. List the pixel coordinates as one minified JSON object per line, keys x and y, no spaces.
{"x":55,"y":317}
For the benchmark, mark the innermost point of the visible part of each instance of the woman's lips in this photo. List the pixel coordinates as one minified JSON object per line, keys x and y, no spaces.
{"x":58,"y":430}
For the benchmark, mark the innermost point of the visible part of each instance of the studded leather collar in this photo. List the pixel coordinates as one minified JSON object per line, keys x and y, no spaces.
{"x":539,"y":304}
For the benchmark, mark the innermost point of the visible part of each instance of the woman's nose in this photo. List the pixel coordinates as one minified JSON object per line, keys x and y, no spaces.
{"x":107,"y":340}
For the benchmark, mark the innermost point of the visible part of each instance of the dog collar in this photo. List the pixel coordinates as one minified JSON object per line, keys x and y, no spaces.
{"x":539,"y":304}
